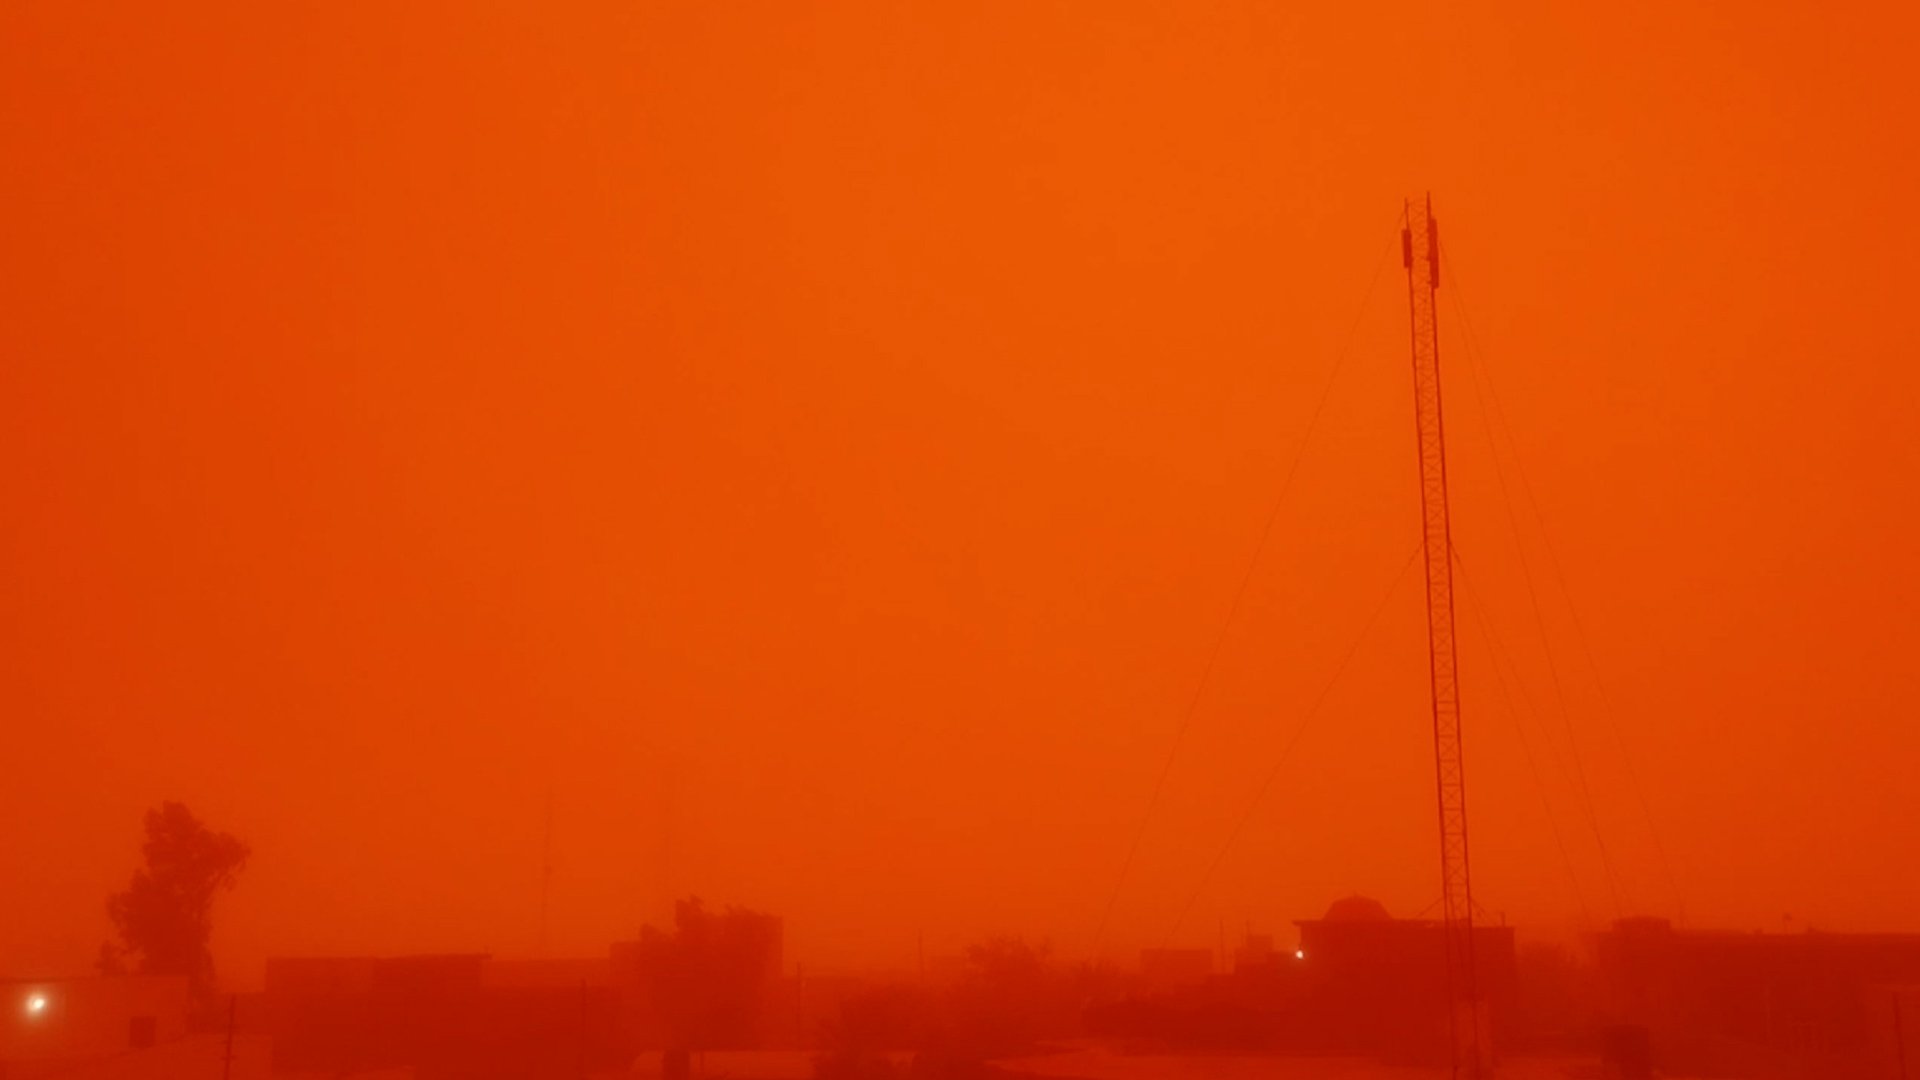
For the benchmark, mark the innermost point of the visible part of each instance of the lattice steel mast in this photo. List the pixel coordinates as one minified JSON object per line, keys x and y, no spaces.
{"x":1420,"y":251}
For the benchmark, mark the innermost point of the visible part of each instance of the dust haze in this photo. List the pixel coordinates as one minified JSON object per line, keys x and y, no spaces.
{"x":882,"y":539}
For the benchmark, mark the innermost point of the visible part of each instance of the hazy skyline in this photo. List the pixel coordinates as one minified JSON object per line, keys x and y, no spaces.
{"x":821,"y":445}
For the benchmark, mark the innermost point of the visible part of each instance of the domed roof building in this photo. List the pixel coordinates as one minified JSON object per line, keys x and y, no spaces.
{"x":1375,"y":984}
{"x":1356,"y":908}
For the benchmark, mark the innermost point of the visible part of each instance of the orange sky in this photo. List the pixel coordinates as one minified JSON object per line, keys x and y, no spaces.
{"x":822,"y":445}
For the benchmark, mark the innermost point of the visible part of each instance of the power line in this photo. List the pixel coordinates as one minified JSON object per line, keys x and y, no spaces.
{"x":1567,"y":776}
{"x":1533,"y":598}
{"x":1476,"y":356}
{"x":1526,"y":747}
{"x":1294,"y":740}
{"x":1239,"y":595}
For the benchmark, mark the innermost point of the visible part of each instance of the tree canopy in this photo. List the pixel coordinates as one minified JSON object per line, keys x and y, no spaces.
{"x":163,"y":919}
{"x":710,"y":976}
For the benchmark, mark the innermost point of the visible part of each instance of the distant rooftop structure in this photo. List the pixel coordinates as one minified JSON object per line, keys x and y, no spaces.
{"x":1255,"y":951}
{"x":442,"y":1016}
{"x":1356,"y":908}
{"x":1173,"y":967}
{"x":1378,"y":985}
{"x":1807,"y":1003}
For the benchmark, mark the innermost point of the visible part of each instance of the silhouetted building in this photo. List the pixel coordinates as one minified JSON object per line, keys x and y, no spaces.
{"x":552,"y":973}
{"x":1164,"y":969}
{"x":1360,"y":983}
{"x":444,"y":1017}
{"x":1256,"y":951}
{"x":1806,"y":1004}
{"x":1377,"y":985}
{"x":713,"y":983}
{"x":798,"y":1006}
{"x":70,"y":1020}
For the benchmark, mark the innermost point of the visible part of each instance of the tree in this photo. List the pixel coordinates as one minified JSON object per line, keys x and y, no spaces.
{"x":709,"y":978}
{"x":164,"y":917}
{"x":856,"y":1045}
{"x":1010,"y":996}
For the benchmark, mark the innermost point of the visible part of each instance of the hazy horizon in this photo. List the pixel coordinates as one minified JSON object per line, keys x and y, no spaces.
{"x":815,"y":452}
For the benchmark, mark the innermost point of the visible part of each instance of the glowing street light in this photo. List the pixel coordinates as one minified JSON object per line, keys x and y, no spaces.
{"x":1299,"y":954}
{"x":36,"y":1004}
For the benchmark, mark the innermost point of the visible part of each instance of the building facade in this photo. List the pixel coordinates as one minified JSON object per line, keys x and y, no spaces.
{"x":1806,"y":1004}
{"x":1375,"y":984}
{"x":71,"y":1019}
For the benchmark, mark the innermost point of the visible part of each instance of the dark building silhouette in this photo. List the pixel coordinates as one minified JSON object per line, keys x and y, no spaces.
{"x":1375,"y":984}
{"x":711,"y":984}
{"x":445,"y":1017}
{"x":1806,"y":1004}
{"x":63,"y":1021}
{"x":1255,"y":951}
{"x":1165,"y":969}
{"x":1358,"y":983}
{"x":714,"y":983}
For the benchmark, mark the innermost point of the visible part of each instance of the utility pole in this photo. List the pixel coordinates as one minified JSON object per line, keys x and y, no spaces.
{"x":584,"y":1028}
{"x":1420,"y":252}
{"x":233,"y":1021}
{"x":1899,"y":1035}
{"x":546,"y":865}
